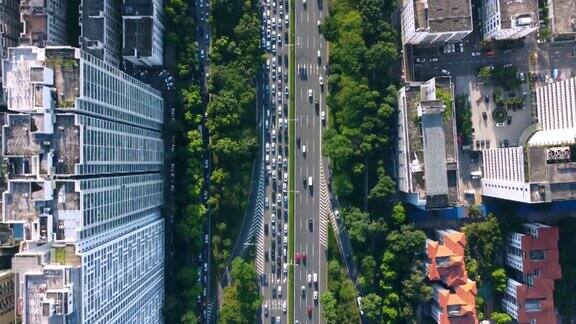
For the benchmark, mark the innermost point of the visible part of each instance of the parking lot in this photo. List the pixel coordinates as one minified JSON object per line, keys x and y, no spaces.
{"x":489,"y":133}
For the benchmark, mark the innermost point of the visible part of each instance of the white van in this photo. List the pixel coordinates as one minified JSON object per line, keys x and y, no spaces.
{"x":315,"y":278}
{"x":267,"y":158}
{"x":309,"y":181}
{"x":274,"y":134}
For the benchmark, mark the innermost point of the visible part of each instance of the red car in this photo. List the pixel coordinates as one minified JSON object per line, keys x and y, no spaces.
{"x":298,"y":257}
{"x":304,"y":257}
{"x":309,"y":311}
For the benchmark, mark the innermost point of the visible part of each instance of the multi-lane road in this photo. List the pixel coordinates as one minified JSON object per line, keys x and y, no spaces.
{"x":310,"y":237}
{"x":274,"y":110}
{"x":311,"y":199}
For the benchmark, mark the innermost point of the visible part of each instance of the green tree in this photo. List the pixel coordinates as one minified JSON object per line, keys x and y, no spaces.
{"x":484,"y":243}
{"x":329,"y":307}
{"x":485,"y":74}
{"x":231,"y":309}
{"x":384,"y":188}
{"x":398,"y":215}
{"x":499,"y":279}
{"x":372,"y":307}
{"x":501,"y":318}
{"x":357,"y":223}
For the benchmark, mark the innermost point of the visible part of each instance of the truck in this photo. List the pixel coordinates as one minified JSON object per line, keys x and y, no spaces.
{"x":315,"y":278}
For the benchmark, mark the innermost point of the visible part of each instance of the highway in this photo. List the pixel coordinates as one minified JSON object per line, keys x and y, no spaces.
{"x":272,"y":252}
{"x":311,"y":201}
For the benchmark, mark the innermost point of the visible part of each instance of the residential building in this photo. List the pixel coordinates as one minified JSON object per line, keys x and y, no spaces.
{"x":562,"y":14}
{"x":509,"y":19}
{"x":7,"y":297}
{"x":534,"y":261}
{"x":143,"y":30}
{"x":44,"y":22}
{"x":100,"y":30}
{"x":427,"y":155}
{"x":435,"y":22}
{"x":84,"y":150}
{"x":544,"y":169}
{"x":454,"y":296}
{"x":10,"y":29}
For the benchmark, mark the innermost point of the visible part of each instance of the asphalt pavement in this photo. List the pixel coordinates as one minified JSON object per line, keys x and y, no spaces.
{"x":430,"y":62}
{"x":311,"y":228}
{"x":273,"y":95}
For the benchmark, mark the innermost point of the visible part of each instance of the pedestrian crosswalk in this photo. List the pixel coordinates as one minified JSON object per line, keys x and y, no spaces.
{"x":325,"y":208}
{"x":309,"y":69}
{"x":257,"y":228}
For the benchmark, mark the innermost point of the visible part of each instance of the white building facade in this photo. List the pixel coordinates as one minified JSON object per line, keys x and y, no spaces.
{"x":544,"y":170}
{"x":85,"y":189}
{"x":509,"y":19}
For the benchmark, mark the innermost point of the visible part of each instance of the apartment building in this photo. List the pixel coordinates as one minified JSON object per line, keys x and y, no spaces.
{"x":143,"y":30}
{"x":426,"y":148}
{"x":435,"y":22}
{"x":509,"y":19}
{"x":100,"y":30}
{"x":7,"y":297}
{"x":44,"y":22}
{"x":544,"y":170}
{"x":534,"y":261}
{"x":10,"y":29}
{"x":84,"y":151}
{"x":454,"y":296}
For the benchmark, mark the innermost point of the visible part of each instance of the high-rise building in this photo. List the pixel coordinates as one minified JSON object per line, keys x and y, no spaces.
{"x":427,"y":155}
{"x":100,"y":30}
{"x":435,"y":22}
{"x":10,"y":29}
{"x":44,"y":22}
{"x":534,"y":262}
{"x":508,"y":19}
{"x":85,"y":189}
{"x":544,"y":169}
{"x":454,"y":294}
{"x":143,"y":30}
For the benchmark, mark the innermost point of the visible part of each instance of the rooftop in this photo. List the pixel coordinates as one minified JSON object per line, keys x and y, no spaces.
{"x":138,"y":37}
{"x":34,"y":18}
{"x":518,"y":13}
{"x":92,"y":31}
{"x":137,"y":7}
{"x":25,"y":137}
{"x":564,"y":16}
{"x":443,"y":15}
{"x":431,"y":142}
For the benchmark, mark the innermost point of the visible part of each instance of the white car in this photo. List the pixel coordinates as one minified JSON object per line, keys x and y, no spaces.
{"x":286,"y":19}
{"x":315,"y":295}
{"x":273,"y":62}
{"x":279,"y":291}
{"x":285,"y":229}
{"x":420,"y":60}
{"x":267,"y":202}
{"x":285,"y":266}
{"x":310,"y":93}
{"x":279,"y":110}
{"x":476,"y":53}
{"x":283,"y":308}
{"x":309,"y":279}
{"x":267,"y":147}
{"x":323,"y":116}
{"x":321,"y":80}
